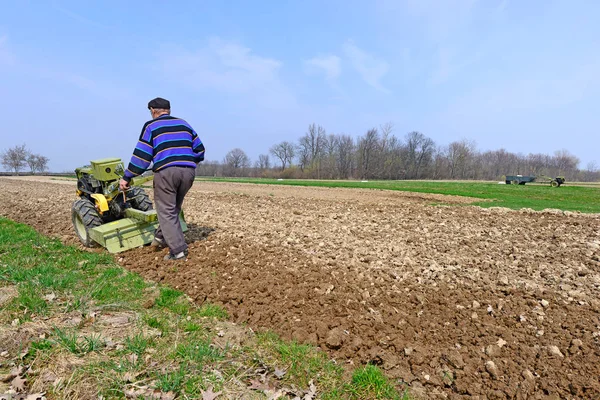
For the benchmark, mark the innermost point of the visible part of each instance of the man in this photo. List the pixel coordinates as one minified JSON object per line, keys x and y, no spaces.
{"x":175,"y":150}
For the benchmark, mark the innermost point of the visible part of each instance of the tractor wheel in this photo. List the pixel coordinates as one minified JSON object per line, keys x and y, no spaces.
{"x":515,"y":182}
{"x":554,"y":183}
{"x":85,"y":217}
{"x":139,"y":199}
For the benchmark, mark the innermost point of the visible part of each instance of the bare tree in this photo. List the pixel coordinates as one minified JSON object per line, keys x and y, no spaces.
{"x":235,"y":162}
{"x":329,"y":156}
{"x":209,"y":168}
{"x":420,"y":150}
{"x":311,"y":147}
{"x":591,"y":173}
{"x":535,"y":164}
{"x":32,"y":162}
{"x":263,"y":162}
{"x":565,"y":162}
{"x":345,"y":156}
{"x":367,"y":146}
{"x":303,"y":154}
{"x":42,"y":163}
{"x":37,"y":163}
{"x":460,"y":154}
{"x":15,"y":158}
{"x":394,"y":157}
{"x":285,"y":152}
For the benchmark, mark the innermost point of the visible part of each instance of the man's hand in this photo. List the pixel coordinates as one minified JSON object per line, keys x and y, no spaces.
{"x":123,"y":185}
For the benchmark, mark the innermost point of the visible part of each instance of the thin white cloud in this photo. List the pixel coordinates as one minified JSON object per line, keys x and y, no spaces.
{"x":228,"y":67}
{"x":329,"y":65}
{"x":222,"y":65}
{"x":371,"y":68}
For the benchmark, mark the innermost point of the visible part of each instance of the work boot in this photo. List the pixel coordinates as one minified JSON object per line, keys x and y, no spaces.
{"x":158,"y":243}
{"x":179,"y":256}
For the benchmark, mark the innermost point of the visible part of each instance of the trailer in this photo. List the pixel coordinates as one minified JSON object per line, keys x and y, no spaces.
{"x":523,"y":179}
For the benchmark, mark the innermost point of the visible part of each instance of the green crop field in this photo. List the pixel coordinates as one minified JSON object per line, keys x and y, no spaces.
{"x":534,"y":196}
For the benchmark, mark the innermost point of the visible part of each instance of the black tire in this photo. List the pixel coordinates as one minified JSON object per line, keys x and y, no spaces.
{"x":85,"y":217}
{"x":139,"y":199}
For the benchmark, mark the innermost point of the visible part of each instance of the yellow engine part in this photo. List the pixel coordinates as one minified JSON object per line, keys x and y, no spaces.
{"x":101,"y":202}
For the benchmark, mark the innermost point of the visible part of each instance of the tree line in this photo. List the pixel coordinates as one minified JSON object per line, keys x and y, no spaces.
{"x":379,"y":154}
{"x":18,"y":158}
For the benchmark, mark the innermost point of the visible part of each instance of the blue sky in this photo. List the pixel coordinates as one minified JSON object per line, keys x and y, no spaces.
{"x":75,"y":76}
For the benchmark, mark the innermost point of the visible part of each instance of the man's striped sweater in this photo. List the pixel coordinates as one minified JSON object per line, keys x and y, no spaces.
{"x":165,"y":141}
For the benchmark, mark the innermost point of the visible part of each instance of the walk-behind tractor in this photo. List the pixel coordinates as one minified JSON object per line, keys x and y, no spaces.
{"x":105,"y":216}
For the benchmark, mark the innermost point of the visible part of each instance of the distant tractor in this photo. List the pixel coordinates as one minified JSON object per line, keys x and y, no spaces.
{"x":521,"y":180}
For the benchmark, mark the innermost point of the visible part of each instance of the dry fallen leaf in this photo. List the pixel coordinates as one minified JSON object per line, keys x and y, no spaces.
{"x":279,"y":373}
{"x":117,"y":321}
{"x":18,"y":383}
{"x":48,"y":376}
{"x":312,"y":391}
{"x":167,"y":396}
{"x":133,"y":394}
{"x":154,"y":394}
{"x":255,"y":384}
{"x":16,"y":371}
{"x":50,"y":297}
{"x":129,"y":377}
{"x":209,"y":394}
{"x":272,"y":395}
{"x":24,"y":353}
{"x":36,"y":396}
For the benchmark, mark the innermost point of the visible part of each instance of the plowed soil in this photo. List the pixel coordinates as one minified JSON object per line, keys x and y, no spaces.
{"x":454,"y":300}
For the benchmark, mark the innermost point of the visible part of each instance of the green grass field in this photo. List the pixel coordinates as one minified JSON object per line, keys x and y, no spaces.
{"x":534,"y":196}
{"x":157,"y":340}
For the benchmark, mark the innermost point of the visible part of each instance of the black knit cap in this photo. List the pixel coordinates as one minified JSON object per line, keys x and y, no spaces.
{"x":159,"y":103}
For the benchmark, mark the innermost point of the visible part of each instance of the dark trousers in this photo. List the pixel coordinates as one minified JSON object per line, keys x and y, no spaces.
{"x":170,"y":187}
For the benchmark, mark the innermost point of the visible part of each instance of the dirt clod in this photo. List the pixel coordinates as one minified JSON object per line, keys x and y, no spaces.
{"x":335,"y":339}
{"x":528,"y":375}
{"x":491,"y":368}
{"x":492,"y":350}
{"x":555,"y":351}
